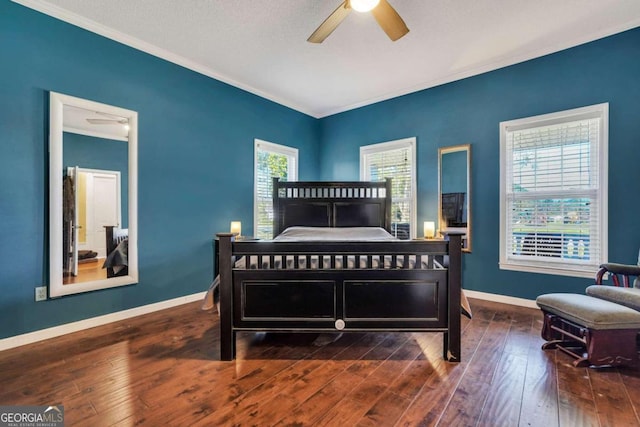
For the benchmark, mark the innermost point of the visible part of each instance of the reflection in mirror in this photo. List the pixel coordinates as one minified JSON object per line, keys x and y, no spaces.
{"x":454,"y":195}
{"x":92,"y":191}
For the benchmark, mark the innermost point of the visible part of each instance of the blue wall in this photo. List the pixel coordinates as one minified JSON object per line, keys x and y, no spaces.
{"x":470,"y":110}
{"x":195,"y":162}
{"x":196,"y":155}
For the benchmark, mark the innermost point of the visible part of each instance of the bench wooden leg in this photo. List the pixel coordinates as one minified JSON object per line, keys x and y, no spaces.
{"x":551,"y":345}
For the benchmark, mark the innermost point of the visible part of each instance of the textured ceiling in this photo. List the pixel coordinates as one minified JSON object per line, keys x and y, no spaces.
{"x":260,"y":45}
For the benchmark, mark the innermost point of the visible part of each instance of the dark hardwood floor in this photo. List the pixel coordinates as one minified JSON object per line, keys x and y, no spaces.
{"x":163,"y":369}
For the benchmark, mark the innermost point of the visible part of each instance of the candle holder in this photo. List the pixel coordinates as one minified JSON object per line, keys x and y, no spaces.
{"x":429,"y":229}
{"x":236,"y":228}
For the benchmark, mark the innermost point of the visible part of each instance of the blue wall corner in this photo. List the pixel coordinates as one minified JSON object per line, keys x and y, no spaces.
{"x":470,"y":110}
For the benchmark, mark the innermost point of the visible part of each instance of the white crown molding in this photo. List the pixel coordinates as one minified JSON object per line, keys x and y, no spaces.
{"x":102,"y":30}
{"x":56,"y":331}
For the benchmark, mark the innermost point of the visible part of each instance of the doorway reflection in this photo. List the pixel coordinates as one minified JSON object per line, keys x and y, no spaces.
{"x":92,"y":199}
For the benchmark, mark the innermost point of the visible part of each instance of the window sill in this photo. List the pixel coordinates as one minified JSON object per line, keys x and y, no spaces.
{"x":588,"y":272}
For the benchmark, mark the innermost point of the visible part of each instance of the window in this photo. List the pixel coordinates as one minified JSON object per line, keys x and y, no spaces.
{"x":395,"y":160}
{"x":553,"y":192}
{"x":271,"y":160}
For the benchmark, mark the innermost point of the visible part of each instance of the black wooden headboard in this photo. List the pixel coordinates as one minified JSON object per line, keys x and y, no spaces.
{"x":331,"y":204}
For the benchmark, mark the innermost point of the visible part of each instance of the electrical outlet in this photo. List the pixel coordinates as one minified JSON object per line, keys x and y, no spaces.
{"x":41,"y":293}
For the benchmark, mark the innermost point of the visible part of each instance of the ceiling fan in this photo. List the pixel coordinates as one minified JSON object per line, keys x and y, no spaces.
{"x":383,"y":12}
{"x":113,"y":120}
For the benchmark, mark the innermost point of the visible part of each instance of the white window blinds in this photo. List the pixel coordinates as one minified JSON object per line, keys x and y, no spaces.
{"x":553,"y":192}
{"x":271,"y":160}
{"x":395,"y":160}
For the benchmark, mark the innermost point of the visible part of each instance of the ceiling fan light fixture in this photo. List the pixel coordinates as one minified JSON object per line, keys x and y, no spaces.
{"x":364,"y":5}
{"x":386,"y":16}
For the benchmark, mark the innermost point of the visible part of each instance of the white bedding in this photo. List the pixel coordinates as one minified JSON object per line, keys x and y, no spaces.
{"x":334,"y":234}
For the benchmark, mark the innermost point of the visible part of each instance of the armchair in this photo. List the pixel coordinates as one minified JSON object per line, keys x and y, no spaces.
{"x":623,"y":270}
{"x":622,"y":292}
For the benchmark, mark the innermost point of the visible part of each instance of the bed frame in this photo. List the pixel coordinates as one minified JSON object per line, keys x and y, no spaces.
{"x":339,"y":300}
{"x":113,"y":237}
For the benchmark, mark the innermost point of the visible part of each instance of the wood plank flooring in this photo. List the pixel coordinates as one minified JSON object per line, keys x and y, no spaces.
{"x":163,"y":369}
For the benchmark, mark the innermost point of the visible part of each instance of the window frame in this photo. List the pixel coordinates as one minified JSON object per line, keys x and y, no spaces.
{"x":536,"y":264}
{"x":292,"y":172}
{"x":367,"y":150}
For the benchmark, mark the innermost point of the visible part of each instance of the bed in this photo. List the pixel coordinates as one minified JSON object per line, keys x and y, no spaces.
{"x":325,"y":285}
{"x":117,"y":249}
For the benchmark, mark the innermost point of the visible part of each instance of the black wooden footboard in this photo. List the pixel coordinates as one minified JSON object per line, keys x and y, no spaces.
{"x":373,"y":295}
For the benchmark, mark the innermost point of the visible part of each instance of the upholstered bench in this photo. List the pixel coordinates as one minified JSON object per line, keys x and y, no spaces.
{"x":594,"y":331}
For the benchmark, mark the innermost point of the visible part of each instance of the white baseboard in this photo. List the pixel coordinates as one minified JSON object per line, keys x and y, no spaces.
{"x":522,"y":302}
{"x":56,"y":331}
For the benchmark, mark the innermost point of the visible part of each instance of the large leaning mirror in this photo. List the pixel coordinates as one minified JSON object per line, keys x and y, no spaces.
{"x":93,"y":183}
{"x":454,"y":191}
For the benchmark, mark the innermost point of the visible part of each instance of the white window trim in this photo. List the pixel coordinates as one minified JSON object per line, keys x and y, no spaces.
{"x":537,"y":266}
{"x":292,"y":172}
{"x":395,"y":145}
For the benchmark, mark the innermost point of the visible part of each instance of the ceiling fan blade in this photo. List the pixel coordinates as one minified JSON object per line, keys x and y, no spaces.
{"x":107,"y":121}
{"x":389,"y":20}
{"x":113,"y":116}
{"x":330,"y":24}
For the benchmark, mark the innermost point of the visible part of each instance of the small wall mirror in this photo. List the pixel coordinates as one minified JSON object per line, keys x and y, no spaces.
{"x":93,"y":183}
{"x":454,"y":191}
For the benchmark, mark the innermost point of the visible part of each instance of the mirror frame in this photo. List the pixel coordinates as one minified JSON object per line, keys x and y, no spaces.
{"x":57,"y":102}
{"x":441,"y":227}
